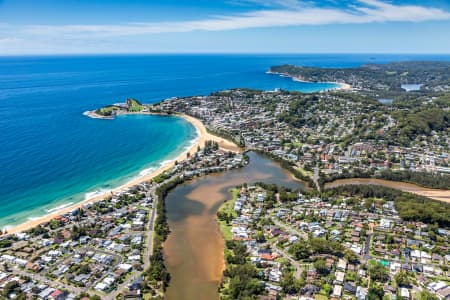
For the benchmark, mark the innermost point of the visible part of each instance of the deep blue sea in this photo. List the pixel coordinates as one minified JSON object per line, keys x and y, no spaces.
{"x":52,"y":155}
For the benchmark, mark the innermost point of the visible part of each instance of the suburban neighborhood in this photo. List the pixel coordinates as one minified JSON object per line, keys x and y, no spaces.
{"x":310,"y":247}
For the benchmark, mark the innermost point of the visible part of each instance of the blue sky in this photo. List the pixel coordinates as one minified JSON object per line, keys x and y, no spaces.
{"x":224,"y":26}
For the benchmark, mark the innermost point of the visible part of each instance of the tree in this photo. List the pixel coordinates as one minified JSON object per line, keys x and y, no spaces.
{"x":426,"y":295}
{"x":5,"y":243}
{"x":11,"y":287}
{"x":378,"y":272}
{"x":260,"y":238}
{"x":351,"y":257}
{"x":375,"y":293}
{"x":289,"y":284}
{"x":300,"y":250}
{"x":402,"y":279}
{"x":321,"y":266}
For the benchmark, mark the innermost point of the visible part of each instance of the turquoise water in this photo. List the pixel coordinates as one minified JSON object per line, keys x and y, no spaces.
{"x":94,"y":156}
{"x":52,"y":155}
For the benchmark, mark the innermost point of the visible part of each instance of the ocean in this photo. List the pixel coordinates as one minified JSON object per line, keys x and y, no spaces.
{"x":51,"y":155}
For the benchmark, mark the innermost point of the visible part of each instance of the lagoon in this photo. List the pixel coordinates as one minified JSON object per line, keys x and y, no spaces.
{"x":194,"y":249}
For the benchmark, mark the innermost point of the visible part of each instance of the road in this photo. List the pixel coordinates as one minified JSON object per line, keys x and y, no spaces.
{"x":366,"y":250}
{"x":151,"y":223}
{"x":52,"y":283}
{"x":147,"y":251}
{"x":291,"y":230}
{"x":284,"y":254}
{"x":315,"y":177}
{"x":298,"y":269}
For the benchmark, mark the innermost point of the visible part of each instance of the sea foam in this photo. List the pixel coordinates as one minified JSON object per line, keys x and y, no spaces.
{"x":90,"y":195}
{"x":146,"y":171}
{"x":58,"y":207}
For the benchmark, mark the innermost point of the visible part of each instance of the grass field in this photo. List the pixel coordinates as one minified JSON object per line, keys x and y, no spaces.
{"x":106,"y":110}
{"x":228,"y":208}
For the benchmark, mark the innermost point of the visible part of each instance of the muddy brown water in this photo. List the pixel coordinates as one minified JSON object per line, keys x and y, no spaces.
{"x":194,"y":248}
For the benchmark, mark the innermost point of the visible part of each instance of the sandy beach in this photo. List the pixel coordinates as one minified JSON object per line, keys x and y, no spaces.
{"x":203,"y":136}
{"x":344,"y":86}
{"x":341,"y":85}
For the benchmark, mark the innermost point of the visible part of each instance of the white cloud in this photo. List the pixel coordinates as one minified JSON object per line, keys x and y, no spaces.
{"x":287,"y":13}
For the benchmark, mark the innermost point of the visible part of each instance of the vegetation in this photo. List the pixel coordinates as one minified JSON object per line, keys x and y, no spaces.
{"x":410,"y":118}
{"x":378,"y":272}
{"x":409,"y":206}
{"x":419,"y":121}
{"x":425,"y":179}
{"x":157,"y":272}
{"x":134,"y":105}
{"x":426,"y":295}
{"x":5,"y":243}
{"x":235,"y":138}
{"x":240,"y":276}
{"x":355,"y":173}
{"x":385,"y":78}
{"x":304,"y":249}
{"x":226,"y":213}
{"x":107,"y":110}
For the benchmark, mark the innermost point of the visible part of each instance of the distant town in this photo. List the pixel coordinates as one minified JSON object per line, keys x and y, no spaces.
{"x":333,"y":135}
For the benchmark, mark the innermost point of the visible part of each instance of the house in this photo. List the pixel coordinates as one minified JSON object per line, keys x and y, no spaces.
{"x":46,"y":293}
{"x":339,"y":277}
{"x":58,"y":295}
{"x":404,"y":292}
{"x":337,"y":291}
{"x":361,"y":293}
{"x":341,"y":265}
{"x":125,"y":267}
{"x":350,"y":287}
{"x":310,"y":290}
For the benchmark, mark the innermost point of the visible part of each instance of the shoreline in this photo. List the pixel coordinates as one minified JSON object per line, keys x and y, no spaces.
{"x":341,"y":85}
{"x":199,"y":141}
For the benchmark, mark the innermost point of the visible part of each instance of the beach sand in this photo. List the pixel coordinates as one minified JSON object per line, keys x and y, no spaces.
{"x":203,"y":136}
{"x":344,"y":86}
{"x":341,"y":85}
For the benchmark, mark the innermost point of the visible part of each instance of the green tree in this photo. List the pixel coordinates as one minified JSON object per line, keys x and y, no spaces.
{"x":375,"y":293}
{"x":402,"y":279}
{"x":289,"y":284}
{"x":378,"y":272}
{"x":260,"y":238}
{"x":426,"y":295}
{"x":300,"y":250}
{"x":321,"y":266}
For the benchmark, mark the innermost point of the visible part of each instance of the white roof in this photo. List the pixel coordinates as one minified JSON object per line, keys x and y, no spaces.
{"x":404,"y":293}
{"x":126,"y":267}
{"x":337,"y":290}
{"x":101,"y":286}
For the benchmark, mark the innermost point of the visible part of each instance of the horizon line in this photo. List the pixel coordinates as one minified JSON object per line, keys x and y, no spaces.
{"x":219,"y":53}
